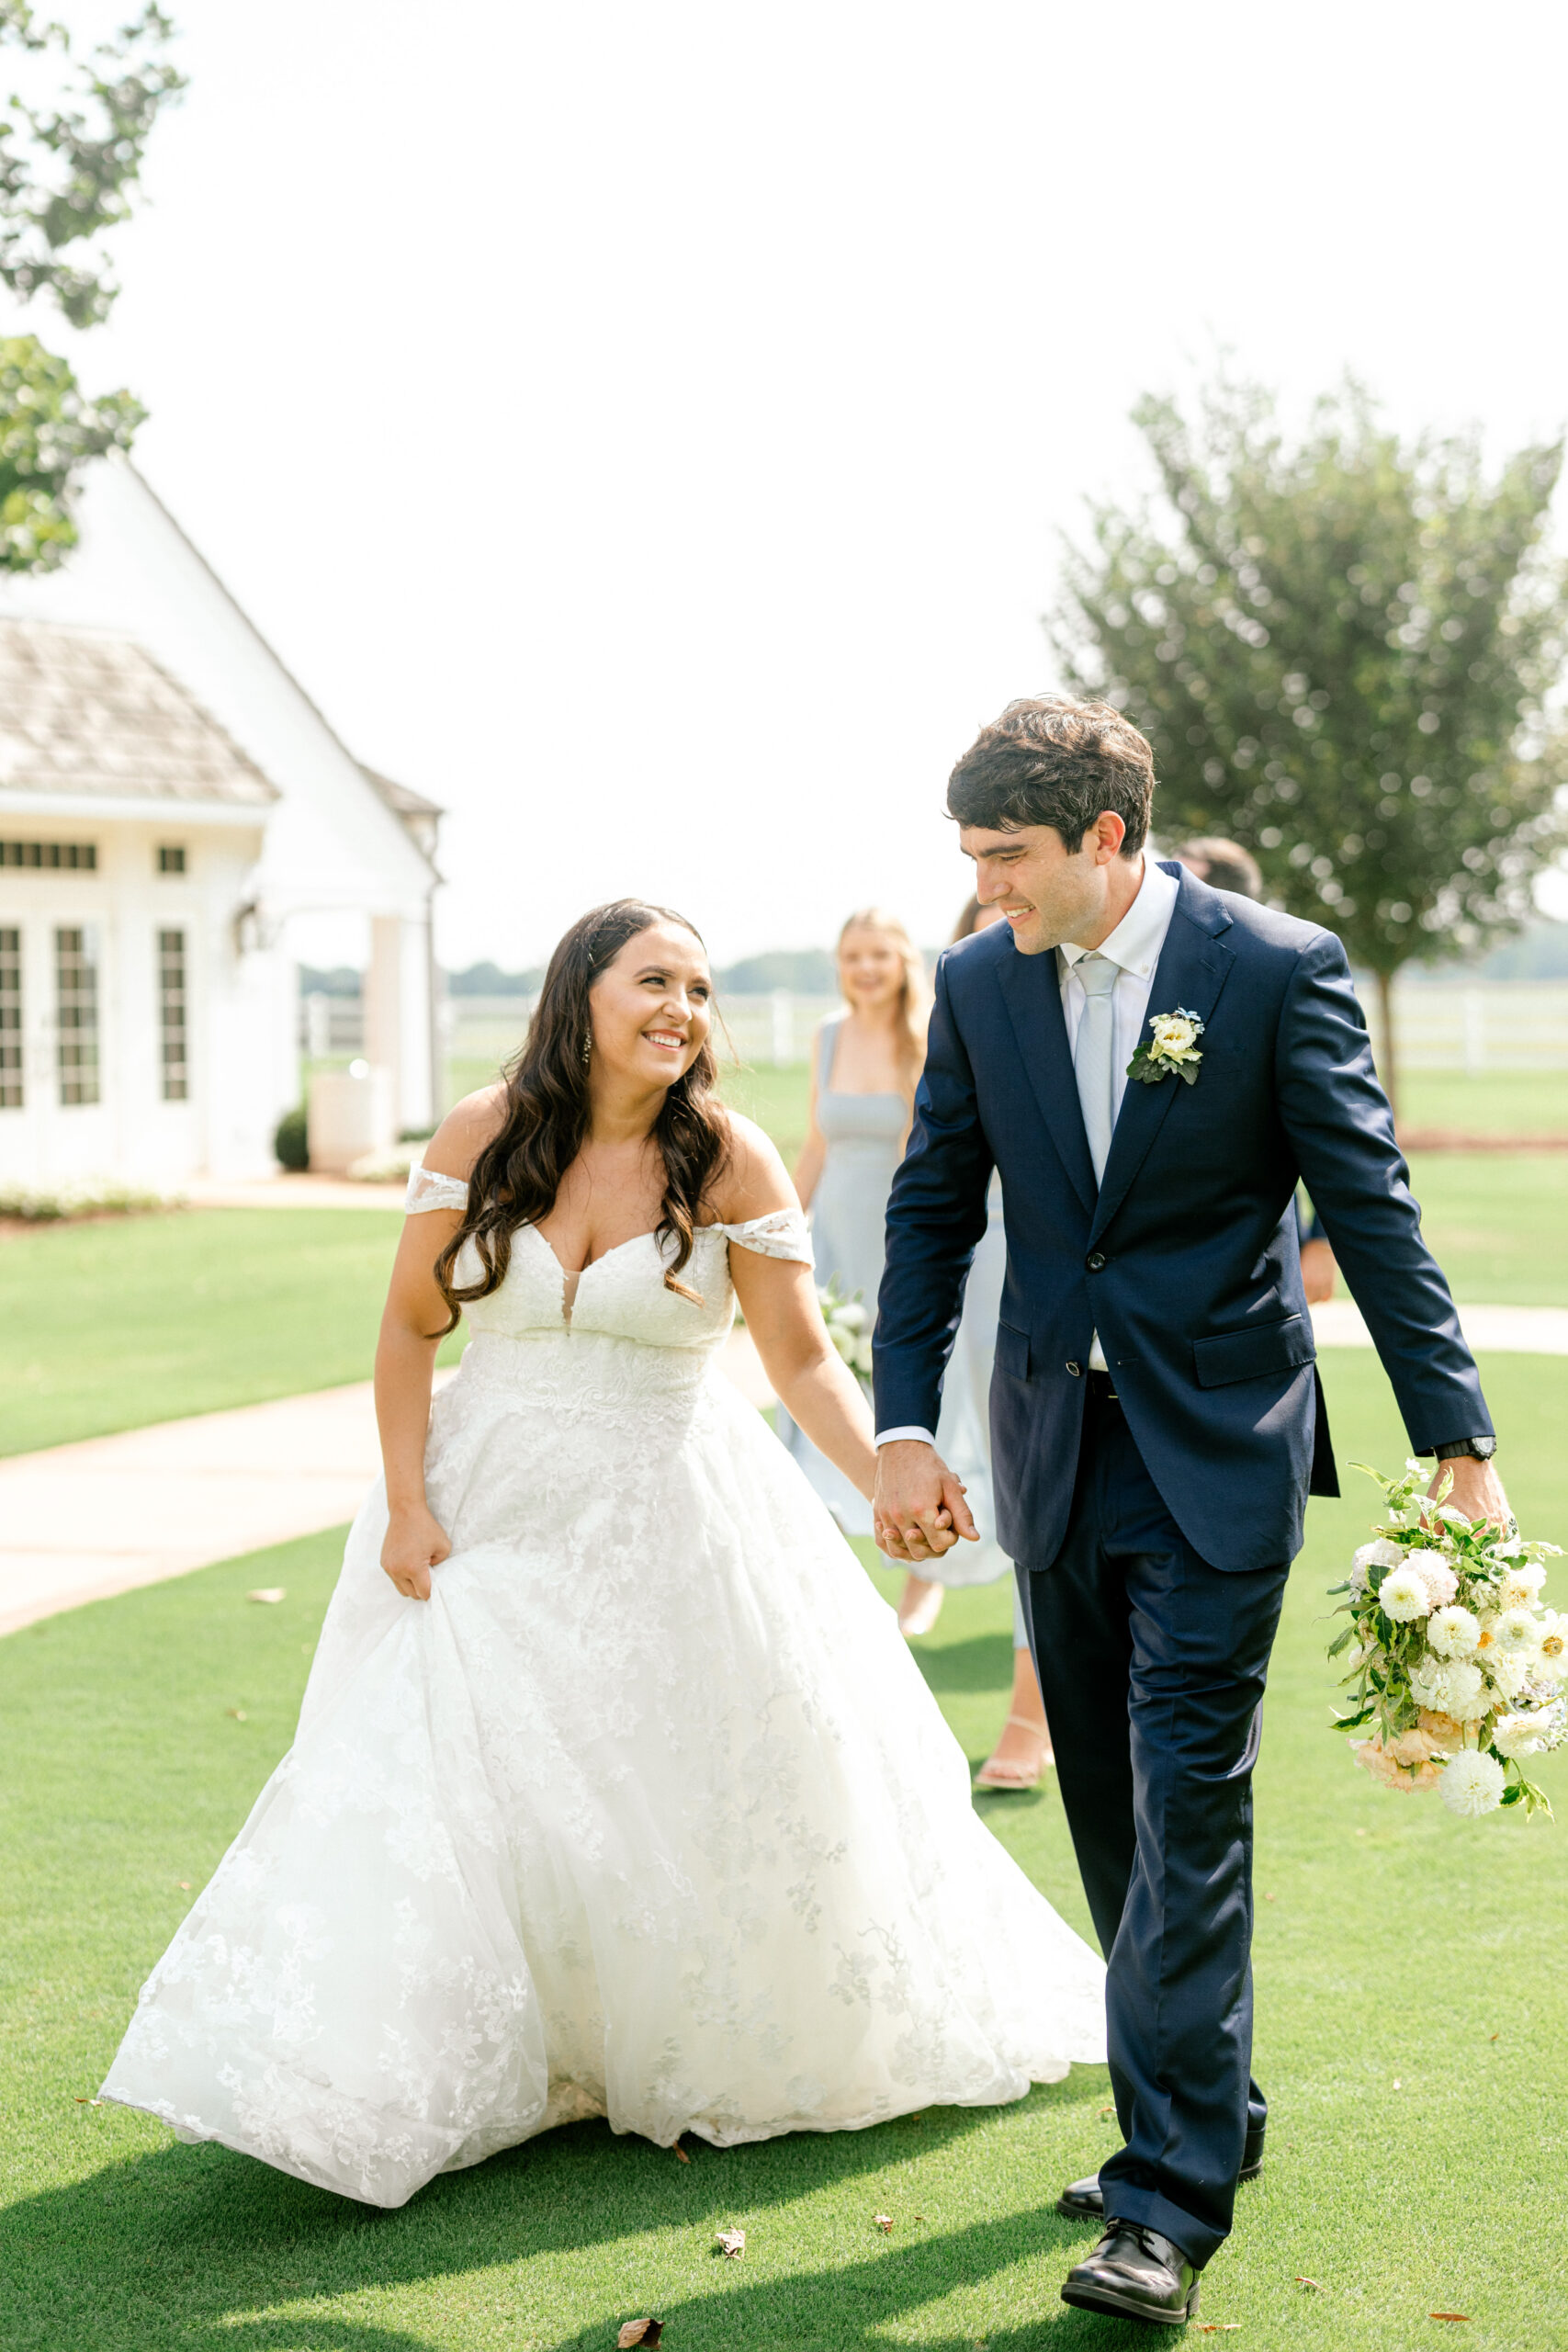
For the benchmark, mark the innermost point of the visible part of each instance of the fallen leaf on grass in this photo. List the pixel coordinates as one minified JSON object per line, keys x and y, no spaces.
{"x":1218,"y":2326}
{"x":1493,"y":2037}
{"x":239,"y":1714}
{"x":1463,"y":2317}
{"x":185,"y":1886}
{"x":84,"y":2101}
{"x":1267,"y":1898}
{"x":639,"y":2331}
{"x":1104,"y":2112}
{"x":268,"y":1592}
{"x":882,"y":2221}
{"x":685,"y":2159}
{"x":732,"y":2242}
{"x":1309,"y":2282}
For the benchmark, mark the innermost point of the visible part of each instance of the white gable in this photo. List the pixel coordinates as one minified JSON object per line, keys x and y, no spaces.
{"x":332,"y":842}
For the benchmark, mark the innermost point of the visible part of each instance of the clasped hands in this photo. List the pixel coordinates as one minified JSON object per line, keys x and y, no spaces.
{"x":918,"y":1508}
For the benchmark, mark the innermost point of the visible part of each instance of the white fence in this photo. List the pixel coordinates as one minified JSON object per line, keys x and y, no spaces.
{"x":1479,"y":1026}
{"x":1474,"y":1026}
{"x":773,"y":1029}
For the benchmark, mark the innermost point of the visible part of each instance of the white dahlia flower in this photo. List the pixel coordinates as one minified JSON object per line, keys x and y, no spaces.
{"x":1522,"y":1735}
{"x":1472,"y":1784}
{"x":1431,"y":1687}
{"x":1439,"y":1580}
{"x":1519,"y":1633}
{"x":1522,"y":1583}
{"x":1453,"y":1633}
{"x":1468,"y":1698}
{"x":1403,"y":1596}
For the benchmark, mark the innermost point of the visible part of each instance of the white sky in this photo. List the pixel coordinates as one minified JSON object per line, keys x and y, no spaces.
{"x":647,"y":429}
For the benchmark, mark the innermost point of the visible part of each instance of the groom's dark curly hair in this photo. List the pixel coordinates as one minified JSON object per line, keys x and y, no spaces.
{"x":1051,"y":760}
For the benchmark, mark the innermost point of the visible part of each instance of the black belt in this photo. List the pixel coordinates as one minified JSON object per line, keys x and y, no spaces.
{"x":1103,"y":1387}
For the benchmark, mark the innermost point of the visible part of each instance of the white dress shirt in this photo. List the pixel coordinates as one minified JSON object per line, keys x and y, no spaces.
{"x":1134,"y":946}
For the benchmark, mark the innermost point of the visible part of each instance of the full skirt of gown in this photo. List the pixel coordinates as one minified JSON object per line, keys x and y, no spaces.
{"x":647,"y":1814}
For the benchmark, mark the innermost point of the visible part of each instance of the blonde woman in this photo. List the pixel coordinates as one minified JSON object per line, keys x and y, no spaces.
{"x":865,"y":1063}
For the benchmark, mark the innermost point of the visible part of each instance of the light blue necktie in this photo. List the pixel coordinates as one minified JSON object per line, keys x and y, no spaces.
{"x":1093,"y":1055}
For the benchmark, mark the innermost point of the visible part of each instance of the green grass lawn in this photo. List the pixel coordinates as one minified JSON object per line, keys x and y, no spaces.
{"x":1497,"y":1223}
{"x":112,"y":1325}
{"x":116,"y":1324}
{"x":1394,"y":1944}
{"x":1497,"y":1103}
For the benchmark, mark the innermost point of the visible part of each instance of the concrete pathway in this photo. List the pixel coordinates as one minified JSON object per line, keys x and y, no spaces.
{"x":300,"y":1191}
{"x":79,"y":1522}
{"x":1505,"y":1330}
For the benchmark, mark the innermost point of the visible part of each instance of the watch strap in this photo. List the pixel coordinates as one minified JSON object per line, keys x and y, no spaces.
{"x":1480,"y":1449}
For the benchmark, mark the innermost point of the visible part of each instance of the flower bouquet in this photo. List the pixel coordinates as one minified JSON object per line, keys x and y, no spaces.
{"x":1453,"y":1656}
{"x":848,"y":1328}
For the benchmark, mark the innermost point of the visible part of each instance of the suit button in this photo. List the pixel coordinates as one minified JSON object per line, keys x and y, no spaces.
{"x":1095,"y":1260}
{"x":1077,"y":1370}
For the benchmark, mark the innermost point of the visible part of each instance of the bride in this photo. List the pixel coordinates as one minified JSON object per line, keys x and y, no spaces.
{"x":615,"y":1790}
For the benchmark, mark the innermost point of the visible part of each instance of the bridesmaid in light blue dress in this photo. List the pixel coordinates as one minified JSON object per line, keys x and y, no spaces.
{"x":963,"y":1442}
{"x":865,"y":1062}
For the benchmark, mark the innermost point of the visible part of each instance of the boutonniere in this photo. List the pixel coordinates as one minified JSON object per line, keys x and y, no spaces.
{"x":1171,"y":1051}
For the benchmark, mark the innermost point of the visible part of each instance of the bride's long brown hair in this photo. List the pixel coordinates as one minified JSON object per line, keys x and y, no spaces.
{"x":517,"y":1175}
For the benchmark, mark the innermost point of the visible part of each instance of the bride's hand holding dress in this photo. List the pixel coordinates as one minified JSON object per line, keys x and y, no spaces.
{"x":644,"y":1812}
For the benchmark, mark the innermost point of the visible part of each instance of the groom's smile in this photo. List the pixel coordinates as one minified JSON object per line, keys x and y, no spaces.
{"x":1047,"y":893}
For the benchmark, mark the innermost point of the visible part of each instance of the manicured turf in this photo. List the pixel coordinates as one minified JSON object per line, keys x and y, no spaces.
{"x":1497,"y":1222}
{"x":113,"y":1324}
{"x":1395,"y":1944}
{"x":1495,"y":1102}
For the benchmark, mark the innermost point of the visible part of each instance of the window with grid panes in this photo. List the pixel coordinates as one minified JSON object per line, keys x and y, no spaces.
{"x":172,"y":1015}
{"x":10,"y":1020}
{"x":76,"y":1013}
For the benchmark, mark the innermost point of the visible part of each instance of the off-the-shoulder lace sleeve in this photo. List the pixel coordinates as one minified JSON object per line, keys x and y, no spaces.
{"x":784,"y":1233}
{"x":429,"y":1190}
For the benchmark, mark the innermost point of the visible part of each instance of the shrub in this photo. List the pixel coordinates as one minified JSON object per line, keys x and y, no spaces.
{"x":291,"y":1143}
{"x":44,"y":1204}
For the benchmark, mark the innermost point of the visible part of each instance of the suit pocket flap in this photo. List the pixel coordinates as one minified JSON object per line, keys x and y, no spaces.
{"x":1012,"y":1351}
{"x":1249,"y":1355}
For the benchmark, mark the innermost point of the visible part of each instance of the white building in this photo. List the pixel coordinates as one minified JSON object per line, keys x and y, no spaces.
{"x":175,"y":812}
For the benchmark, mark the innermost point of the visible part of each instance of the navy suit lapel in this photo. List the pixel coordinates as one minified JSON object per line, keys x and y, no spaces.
{"x":1032,"y":989}
{"x":1193,"y":967}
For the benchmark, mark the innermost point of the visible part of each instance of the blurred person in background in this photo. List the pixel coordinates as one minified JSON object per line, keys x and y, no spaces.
{"x":963,"y":1441}
{"x":866,"y":1062}
{"x":1225,"y":865}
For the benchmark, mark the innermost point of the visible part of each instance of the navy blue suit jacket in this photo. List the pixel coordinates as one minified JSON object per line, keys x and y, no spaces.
{"x":1185,"y":1259}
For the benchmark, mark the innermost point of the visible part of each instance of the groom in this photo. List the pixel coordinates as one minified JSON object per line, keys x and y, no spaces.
{"x":1151,"y":1065}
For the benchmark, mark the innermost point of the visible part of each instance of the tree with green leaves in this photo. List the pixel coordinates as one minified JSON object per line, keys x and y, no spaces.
{"x":1342,"y":649}
{"x":67,"y":170}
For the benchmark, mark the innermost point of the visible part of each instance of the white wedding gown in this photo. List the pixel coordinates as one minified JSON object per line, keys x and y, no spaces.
{"x":647,"y":1812}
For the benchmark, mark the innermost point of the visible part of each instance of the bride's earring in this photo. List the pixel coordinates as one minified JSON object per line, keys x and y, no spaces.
{"x":587,"y":1047}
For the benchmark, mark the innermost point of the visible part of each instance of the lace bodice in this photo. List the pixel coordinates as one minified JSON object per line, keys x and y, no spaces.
{"x":621,"y":1296}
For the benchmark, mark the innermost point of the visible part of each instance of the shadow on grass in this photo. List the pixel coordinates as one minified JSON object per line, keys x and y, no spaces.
{"x":855,"y":2301}
{"x":170,"y":2247}
{"x":979,"y":1663}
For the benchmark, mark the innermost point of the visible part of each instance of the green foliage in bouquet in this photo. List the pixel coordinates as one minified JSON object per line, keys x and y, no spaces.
{"x":848,"y":1328}
{"x":1453,"y":1656}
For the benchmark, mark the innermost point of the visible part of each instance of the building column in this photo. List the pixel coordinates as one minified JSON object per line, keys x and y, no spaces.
{"x":397,"y":1015}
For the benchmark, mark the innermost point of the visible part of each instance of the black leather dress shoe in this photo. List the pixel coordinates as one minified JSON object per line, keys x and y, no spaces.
{"x":1081,"y":2199}
{"x":1136,"y":2274}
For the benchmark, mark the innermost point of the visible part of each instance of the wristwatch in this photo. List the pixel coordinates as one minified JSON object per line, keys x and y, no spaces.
{"x":1481,"y":1448}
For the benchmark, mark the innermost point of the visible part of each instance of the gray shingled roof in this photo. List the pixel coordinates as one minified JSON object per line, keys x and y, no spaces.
{"x":86,"y":711}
